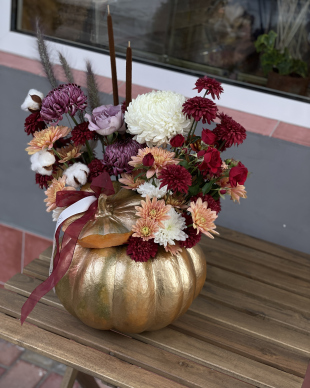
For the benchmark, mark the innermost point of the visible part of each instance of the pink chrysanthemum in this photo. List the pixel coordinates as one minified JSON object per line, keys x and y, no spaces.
{"x":141,"y":251}
{"x":129,"y":182}
{"x":237,"y":192}
{"x":162,"y":158}
{"x":173,"y":249}
{"x":57,"y":185}
{"x":145,"y":229}
{"x":46,"y":138}
{"x":80,"y":133}
{"x":229,"y":131}
{"x":34,"y":123}
{"x":200,"y":108}
{"x":212,"y":203}
{"x":193,"y":237}
{"x":176,"y":177}
{"x":212,"y":86}
{"x":154,"y":210}
{"x":203,"y":218}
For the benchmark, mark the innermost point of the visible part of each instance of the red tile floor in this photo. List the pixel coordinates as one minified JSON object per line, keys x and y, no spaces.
{"x":20,"y":368}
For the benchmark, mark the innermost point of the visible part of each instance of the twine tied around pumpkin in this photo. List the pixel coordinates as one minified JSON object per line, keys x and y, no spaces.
{"x":77,"y":202}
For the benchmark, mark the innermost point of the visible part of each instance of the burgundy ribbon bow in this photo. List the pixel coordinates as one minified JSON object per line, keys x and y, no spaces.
{"x":62,"y":260}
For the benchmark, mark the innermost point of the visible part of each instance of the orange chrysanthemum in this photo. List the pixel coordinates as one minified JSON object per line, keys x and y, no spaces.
{"x":46,"y":138}
{"x":162,"y":158}
{"x":154,"y":210}
{"x":203,"y":218}
{"x":57,"y":185}
{"x":69,"y":152}
{"x":173,"y":249}
{"x":129,"y":182}
{"x":145,"y":229}
{"x":237,"y":192}
{"x":178,"y":202}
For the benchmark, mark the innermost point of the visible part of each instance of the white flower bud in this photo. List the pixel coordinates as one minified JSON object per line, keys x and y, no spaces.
{"x":33,"y":102}
{"x":42,"y":162}
{"x":76,"y":175}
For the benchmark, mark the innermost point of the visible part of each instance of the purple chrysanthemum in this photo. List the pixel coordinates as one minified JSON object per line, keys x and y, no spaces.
{"x":67,"y":98}
{"x":118,"y":154}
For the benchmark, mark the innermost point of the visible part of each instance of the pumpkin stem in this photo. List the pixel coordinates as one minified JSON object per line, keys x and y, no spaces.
{"x":102,"y":206}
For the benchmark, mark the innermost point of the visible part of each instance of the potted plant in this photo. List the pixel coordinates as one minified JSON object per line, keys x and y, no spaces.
{"x":284,"y":72}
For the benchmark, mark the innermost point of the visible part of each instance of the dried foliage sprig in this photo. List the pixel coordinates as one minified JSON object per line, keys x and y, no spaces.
{"x":92,"y":87}
{"x":66,"y":68}
{"x":45,"y":59}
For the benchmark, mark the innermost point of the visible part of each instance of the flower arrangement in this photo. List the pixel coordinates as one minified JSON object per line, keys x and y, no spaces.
{"x":149,"y":147}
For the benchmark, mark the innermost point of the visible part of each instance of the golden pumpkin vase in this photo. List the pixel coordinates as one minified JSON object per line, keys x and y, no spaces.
{"x":106,"y":289}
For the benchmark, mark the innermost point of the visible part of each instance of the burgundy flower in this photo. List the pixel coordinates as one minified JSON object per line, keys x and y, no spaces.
{"x":238,"y":174}
{"x":229,"y":131}
{"x":212,"y":203}
{"x":212,"y":86}
{"x":67,"y":98}
{"x":140,"y":250}
{"x":176,"y":177}
{"x":148,"y":160}
{"x":200,"y":108}
{"x":80,"y":133}
{"x":211,"y":161}
{"x":42,"y":180}
{"x":118,"y":154}
{"x":124,"y":107}
{"x":95,"y":168}
{"x":34,"y":123}
{"x":208,"y":137}
{"x":193,"y":238}
{"x":177,"y":141}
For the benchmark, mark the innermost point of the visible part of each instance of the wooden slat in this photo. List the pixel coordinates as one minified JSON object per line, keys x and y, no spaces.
{"x":252,"y":255}
{"x":86,"y":381}
{"x":258,"y":272}
{"x":258,"y":290}
{"x":83,"y":358}
{"x":263,"y":246}
{"x":269,"y":310}
{"x":69,"y":378}
{"x":125,"y":348}
{"x":37,"y":268}
{"x":256,"y":326}
{"x":258,"y":349}
{"x":199,"y":351}
{"x":47,"y":254}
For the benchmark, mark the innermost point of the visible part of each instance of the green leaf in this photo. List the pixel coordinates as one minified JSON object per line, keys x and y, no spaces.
{"x":194,"y":190}
{"x":207,"y":187}
{"x":185,"y":164}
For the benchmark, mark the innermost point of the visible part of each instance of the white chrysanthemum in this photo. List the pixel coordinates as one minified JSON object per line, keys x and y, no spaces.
{"x":76,"y":175}
{"x":173,"y":229}
{"x":29,"y":103}
{"x":57,"y":212}
{"x":147,"y":188}
{"x":42,"y":162}
{"x":155,"y":117}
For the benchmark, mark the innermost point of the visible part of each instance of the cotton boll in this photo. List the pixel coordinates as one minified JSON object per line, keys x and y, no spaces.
{"x":42,"y":162}
{"x":77,"y":175}
{"x":29,"y":103}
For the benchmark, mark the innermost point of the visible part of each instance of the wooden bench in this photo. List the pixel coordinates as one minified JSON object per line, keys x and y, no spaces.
{"x":249,"y":327}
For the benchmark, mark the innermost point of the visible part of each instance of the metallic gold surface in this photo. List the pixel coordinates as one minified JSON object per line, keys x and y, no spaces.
{"x":106,"y":289}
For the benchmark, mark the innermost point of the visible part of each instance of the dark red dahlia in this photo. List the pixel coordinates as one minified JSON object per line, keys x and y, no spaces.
{"x":177,"y":141}
{"x":42,"y":180}
{"x":95,"y":168}
{"x":212,"y":203}
{"x":238,"y":175}
{"x":80,"y":133}
{"x":34,"y":123}
{"x":140,"y":250}
{"x":229,"y":131}
{"x":211,"y":161}
{"x":176,"y":177}
{"x":200,"y":108}
{"x":208,"y":137}
{"x":193,"y":238}
{"x":211,"y":85}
